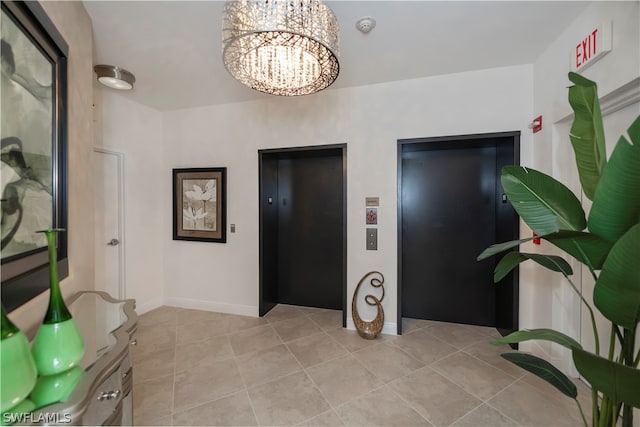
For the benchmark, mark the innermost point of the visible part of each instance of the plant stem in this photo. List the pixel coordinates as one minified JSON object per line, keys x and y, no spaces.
{"x":617,"y":331}
{"x":587,"y":261}
{"x":596,"y":413}
{"x":593,"y":319}
{"x":595,"y":410}
{"x":637,"y":361}
{"x":612,"y":340}
{"x":584,"y":419}
{"x":604,"y":412}
{"x":627,"y":350}
{"x":630,"y":341}
{"x":617,"y":414}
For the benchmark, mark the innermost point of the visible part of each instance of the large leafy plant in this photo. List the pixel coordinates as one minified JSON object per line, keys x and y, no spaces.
{"x":607,"y":242}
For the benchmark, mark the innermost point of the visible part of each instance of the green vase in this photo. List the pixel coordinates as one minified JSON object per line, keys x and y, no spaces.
{"x":58,"y":345}
{"x":17,"y":370}
{"x":17,"y":413}
{"x":56,"y":388}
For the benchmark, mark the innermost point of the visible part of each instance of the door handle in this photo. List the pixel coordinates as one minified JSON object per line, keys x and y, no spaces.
{"x":113,"y":242}
{"x":109,"y":395}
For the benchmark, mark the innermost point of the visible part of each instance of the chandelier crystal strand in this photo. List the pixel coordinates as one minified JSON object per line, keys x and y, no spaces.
{"x":281,"y":47}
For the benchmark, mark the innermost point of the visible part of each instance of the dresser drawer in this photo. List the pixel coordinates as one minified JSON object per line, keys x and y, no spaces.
{"x":105,"y":400}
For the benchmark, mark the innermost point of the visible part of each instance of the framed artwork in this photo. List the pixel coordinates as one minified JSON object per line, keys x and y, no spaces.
{"x":33,"y":158}
{"x":199,"y":204}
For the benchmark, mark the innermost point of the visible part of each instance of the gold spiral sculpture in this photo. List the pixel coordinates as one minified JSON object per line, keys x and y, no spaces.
{"x":369,"y":330}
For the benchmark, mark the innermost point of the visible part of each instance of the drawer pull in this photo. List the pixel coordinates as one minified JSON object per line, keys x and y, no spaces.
{"x":109,"y":395}
{"x":126,"y":374}
{"x":134,"y":342}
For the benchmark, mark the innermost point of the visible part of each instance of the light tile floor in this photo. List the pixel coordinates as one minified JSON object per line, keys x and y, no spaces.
{"x":297,"y":366}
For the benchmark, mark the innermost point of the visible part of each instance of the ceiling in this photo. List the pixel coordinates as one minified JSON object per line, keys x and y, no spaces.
{"x":174,"y":47}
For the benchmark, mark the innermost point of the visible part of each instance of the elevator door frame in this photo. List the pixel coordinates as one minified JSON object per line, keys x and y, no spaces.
{"x":263,"y":306}
{"x":444,"y":140}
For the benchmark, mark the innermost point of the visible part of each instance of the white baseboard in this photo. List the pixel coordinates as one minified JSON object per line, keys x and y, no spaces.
{"x":389,"y":328}
{"x":148,"y":306}
{"x":218,"y":307}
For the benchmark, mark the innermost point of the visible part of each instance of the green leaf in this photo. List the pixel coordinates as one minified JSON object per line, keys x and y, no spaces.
{"x":538,"y":334}
{"x":501,"y":247}
{"x":587,"y":248}
{"x":616,"y":204}
{"x":618,"y":382}
{"x":545,"y":204}
{"x":512,"y":259}
{"x":617,"y":290}
{"x":587,"y":132}
{"x":545,"y":370}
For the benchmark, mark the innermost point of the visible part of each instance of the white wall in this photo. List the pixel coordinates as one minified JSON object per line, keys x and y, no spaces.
{"x":135,"y":131}
{"x":554,"y":303}
{"x":73,"y":23}
{"x":370,"y":120}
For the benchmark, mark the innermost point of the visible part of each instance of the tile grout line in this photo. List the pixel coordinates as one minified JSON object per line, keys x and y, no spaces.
{"x":190,"y":407}
{"x":267,"y":348}
{"x":324,"y":361}
{"x":456,"y":346}
{"x":246,"y":392}
{"x":467,"y":413}
{"x":365,"y":367}
{"x":439,"y":371}
{"x":499,"y":393}
{"x":351,"y":400}
{"x":409,"y":404}
{"x":348,"y":353}
{"x":502,"y":413}
{"x":401,"y":350}
{"x":493,"y":366}
{"x":331,"y":406}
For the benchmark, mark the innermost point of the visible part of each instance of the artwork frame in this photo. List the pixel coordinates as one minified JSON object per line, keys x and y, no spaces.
{"x":193,"y":220}
{"x":25,"y":270}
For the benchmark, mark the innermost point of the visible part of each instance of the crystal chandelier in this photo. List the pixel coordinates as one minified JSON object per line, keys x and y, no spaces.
{"x":281,"y":47}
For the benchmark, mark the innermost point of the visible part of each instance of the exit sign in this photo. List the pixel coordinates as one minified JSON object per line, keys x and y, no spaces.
{"x":595,"y":44}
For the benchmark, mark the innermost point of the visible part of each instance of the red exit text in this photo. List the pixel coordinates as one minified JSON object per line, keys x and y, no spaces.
{"x":587,"y":48}
{"x":592,"y":47}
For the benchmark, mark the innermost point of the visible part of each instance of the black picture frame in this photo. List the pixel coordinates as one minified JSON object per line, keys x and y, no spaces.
{"x":200,"y":204}
{"x":26,"y":274}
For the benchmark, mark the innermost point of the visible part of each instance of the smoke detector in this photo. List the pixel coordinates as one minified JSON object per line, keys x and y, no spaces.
{"x":365,"y":24}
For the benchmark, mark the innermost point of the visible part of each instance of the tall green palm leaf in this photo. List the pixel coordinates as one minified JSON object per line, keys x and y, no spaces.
{"x":616,"y":204}
{"x":587,"y":132}
{"x":545,"y":204}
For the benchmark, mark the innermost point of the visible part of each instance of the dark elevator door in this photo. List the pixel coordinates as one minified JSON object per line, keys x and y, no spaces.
{"x":451,"y":211}
{"x":302,"y":228}
{"x":310,"y":231}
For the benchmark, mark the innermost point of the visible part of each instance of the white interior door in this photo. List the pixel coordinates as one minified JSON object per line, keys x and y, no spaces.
{"x":615,"y":125}
{"x":619,"y":109}
{"x":109,"y":248}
